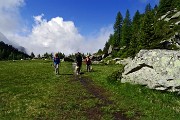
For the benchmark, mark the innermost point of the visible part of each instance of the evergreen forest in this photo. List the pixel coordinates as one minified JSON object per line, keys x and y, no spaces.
{"x":145,"y":31}
{"x":8,"y":52}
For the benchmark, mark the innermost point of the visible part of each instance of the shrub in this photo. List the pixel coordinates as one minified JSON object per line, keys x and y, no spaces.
{"x":115,"y":76}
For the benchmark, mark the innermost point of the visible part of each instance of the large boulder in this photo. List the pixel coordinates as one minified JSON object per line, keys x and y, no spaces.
{"x":156,"y":69}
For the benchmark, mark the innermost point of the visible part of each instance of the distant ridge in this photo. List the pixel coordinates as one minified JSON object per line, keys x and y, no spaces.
{"x":8,"y":52}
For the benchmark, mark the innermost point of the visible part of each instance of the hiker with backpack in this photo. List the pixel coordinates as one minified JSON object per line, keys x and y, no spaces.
{"x":56,"y":61}
{"x":78,"y":63}
{"x":88,"y":63}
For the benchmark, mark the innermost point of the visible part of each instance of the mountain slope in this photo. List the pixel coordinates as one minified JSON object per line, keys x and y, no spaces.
{"x":8,"y":52}
{"x":6,"y":41}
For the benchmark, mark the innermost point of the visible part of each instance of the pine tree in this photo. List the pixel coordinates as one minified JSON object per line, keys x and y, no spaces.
{"x":3,"y":53}
{"x":177,"y":4}
{"x":99,"y":51}
{"x":38,"y":56}
{"x":32,"y":55}
{"x":61,"y":55}
{"x":117,"y":30}
{"x":0,"y":54}
{"x":135,"y":32}
{"x":46,"y":55}
{"x":111,"y":39}
{"x":51,"y":56}
{"x":164,"y":6}
{"x":106,"y":47}
{"x":11,"y":56}
{"x":147,"y":31}
{"x":148,"y":8}
{"x":126,"y":30}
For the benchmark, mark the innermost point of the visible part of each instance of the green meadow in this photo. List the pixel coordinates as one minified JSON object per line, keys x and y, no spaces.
{"x":30,"y":90}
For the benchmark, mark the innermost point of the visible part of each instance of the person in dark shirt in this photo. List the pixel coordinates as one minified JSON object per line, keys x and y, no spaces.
{"x":78,"y":62}
{"x":88,"y":63}
{"x":56,"y":61}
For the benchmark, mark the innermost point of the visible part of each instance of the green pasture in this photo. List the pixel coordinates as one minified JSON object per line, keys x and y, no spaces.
{"x":30,"y":90}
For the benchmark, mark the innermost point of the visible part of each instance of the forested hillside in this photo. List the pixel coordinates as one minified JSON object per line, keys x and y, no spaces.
{"x":8,"y":52}
{"x":152,"y":29}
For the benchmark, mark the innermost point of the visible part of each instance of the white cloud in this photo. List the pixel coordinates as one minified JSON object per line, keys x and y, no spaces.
{"x":10,"y":17}
{"x":54,"y":35}
{"x":59,"y":35}
{"x":11,"y":4}
{"x":96,"y":42}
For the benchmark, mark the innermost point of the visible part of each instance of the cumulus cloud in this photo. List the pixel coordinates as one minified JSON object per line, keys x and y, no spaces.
{"x":54,"y":35}
{"x":97,"y":41}
{"x":57,"y":35}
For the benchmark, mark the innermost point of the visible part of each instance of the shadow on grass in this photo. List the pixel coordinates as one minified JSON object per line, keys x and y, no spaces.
{"x":66,"y":74}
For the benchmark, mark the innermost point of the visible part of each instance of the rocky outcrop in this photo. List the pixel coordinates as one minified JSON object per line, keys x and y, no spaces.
{"x":174,"y":40}
{"x":174,"y":15}
{"x":123,"y":61}
{"x":156,"y":69}
{"x":110,"y":49}
{"x":96,"y":57}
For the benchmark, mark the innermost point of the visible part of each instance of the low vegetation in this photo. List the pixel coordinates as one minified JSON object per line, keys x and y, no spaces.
{"x":137,"y":100}
{"x":31,"y":90}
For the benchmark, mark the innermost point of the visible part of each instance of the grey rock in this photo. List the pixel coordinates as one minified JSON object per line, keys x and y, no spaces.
{"x":110,"y":49}
{"x":176,"y":15}
{"x":156,"y":69}
{"x":177,"y":23}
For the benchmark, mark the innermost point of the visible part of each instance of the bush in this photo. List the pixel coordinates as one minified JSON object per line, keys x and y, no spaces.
{"x":115,"y":76}
{"x":68,"y":59}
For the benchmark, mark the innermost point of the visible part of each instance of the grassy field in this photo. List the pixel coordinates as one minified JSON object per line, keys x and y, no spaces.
{"x":31,"y":90}
{"x":136,"y":100}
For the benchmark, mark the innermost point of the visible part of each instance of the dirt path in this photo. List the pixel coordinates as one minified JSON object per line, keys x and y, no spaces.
{"x":98,"y":92}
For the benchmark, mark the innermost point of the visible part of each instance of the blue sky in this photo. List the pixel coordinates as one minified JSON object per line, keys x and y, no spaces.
{"x":67,"y":26}
{"x":88,"y":15}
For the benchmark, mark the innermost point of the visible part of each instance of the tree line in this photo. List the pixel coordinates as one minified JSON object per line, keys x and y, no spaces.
{"x":8,"y":52}
{"x":47,"y":55}
{"x":144,"y":31}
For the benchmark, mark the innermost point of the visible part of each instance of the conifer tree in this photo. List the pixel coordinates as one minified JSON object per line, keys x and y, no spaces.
{"x":117,"y":30}
{"x":11,"y":56}
{"x":126,"y":30}
{"x":61,"y":55}
{"x":99,"y":51}
{"x":147,"y":30}
{"x":1,"y":55}
{"x":106,"y":47}
{"x":135,"y":32}
{"x":111,"y":39}
{"x":164,"y":6}
{"x":32,"y":55}
{"x":148,"y":8}
{"x":177,"y":4}
{"x":38,"y":56}
{"x":46,"y":55}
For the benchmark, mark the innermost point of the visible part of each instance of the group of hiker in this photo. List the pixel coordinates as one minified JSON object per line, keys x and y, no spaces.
{"x":78,"y":60}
